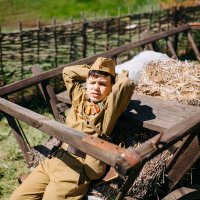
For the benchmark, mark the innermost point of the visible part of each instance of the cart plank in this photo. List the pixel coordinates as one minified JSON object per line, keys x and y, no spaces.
{"x":151,"y":112}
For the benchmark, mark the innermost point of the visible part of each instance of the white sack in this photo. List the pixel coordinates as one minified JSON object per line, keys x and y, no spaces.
{"x":138,"y":62}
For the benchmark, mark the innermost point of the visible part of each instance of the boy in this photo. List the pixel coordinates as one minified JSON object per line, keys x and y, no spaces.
{"x":94,"y":111}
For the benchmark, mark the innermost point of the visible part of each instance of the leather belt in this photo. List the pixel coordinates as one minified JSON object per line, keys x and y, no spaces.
{"x":73,"y":150}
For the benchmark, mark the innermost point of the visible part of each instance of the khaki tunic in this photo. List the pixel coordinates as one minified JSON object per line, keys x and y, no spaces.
{"x":114,"y":104}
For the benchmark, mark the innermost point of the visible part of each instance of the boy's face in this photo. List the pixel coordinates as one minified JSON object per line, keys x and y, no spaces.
{"x":98,"y":87}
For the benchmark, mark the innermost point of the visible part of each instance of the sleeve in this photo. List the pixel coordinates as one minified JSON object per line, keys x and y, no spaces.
{"x":73,"y":76}
{"x":117,"y":101}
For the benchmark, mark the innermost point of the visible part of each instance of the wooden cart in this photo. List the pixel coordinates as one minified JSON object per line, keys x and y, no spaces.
{"x":172,"y":121}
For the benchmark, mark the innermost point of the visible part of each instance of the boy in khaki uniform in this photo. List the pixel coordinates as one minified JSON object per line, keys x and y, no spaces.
{"x":94,"y":111}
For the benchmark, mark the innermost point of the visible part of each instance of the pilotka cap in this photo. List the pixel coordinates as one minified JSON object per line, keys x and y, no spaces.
{"x":105,"y":65}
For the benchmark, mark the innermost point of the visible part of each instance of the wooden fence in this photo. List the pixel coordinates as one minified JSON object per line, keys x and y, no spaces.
{"x":54,"y":45}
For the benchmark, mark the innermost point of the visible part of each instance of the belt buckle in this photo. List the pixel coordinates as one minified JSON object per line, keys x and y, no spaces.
{"x":64,"y":146}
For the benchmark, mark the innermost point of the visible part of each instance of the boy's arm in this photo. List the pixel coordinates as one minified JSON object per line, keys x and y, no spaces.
{"x":117,"y":101}
{"x":73,"y":76}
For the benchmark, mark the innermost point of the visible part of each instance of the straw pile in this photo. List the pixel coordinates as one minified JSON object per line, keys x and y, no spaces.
{"x":150,"y":178}
{"x":40,"y":152}
{"x":148,"y":183}
{"x":173,"y":80}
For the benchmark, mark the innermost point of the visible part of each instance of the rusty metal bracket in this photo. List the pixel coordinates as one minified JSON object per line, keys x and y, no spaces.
{"x":156,"y":142}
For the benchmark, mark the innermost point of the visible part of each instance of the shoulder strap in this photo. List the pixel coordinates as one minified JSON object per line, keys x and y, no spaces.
{"x":100,"y":133}
{"x":94,"y":128}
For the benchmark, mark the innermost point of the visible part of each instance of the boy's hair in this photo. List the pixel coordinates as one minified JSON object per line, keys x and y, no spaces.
{"x":97,"y":73}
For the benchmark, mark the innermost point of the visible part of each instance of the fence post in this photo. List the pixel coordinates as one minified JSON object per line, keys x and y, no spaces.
{"x":73,"y":47}
{"x":21,"y":50}
{"x":150,"y":20}
{"x":139,"y":25}
{"x":193,"y":45}
{"x":1,"y":56}
{"x":107,"y":45}
{"x":118,"y":25}
{"x":159,"y":19}
{"x":84,"y":36}
{"x":129,"y":24}
{"x":95,"y":38}
{"x":38,"y":40}
{"x":55,"y":42}
{"x":20,"y":137}
{"x":168,"y":17}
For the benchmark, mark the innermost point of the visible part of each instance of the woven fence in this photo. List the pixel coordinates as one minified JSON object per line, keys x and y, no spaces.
{"x":55,"y":45}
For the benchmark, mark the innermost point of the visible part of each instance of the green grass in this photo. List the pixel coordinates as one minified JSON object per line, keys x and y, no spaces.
{"x":26,"y":11}
{"x":12,"y":163}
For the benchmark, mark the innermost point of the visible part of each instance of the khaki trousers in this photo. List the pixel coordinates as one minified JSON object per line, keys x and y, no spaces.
{"x":58,"y":178}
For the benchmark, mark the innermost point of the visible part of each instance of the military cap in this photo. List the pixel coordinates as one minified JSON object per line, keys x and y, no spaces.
{"x":105,"y":65}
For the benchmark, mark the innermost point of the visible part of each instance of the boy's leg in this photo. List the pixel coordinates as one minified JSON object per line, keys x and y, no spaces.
{"x":34,"y":186}
{"x":57,"y":178}
{"x":67,"y":180}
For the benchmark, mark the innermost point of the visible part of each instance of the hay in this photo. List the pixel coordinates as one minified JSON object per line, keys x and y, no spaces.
{"x":40,"y":152}
{"x":149,"y":181}
{"x":171,"y":80}
{"x":150,"y":178}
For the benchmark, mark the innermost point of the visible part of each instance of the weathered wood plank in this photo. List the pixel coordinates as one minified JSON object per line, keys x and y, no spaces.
{"x":167,"y":108}
{"x":193,"y":45}
{"x":171,"y":135}
{"x":48,"y":94}
{"x":18,"y":134}
{"x":195,"y":26}
{"x":171,"y":48}
{"x":122,"y":159}
{"x":182,"y":163}
{"x":145,"y":100}
{"x":63,"y":97}
{"x":160,"y":102}
{"x":151,"y":112}
{"x":109,"y":153}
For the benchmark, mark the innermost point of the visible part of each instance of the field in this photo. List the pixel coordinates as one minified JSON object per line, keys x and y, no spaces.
{"x":28,"y":12}
{"x":12,"y":162}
